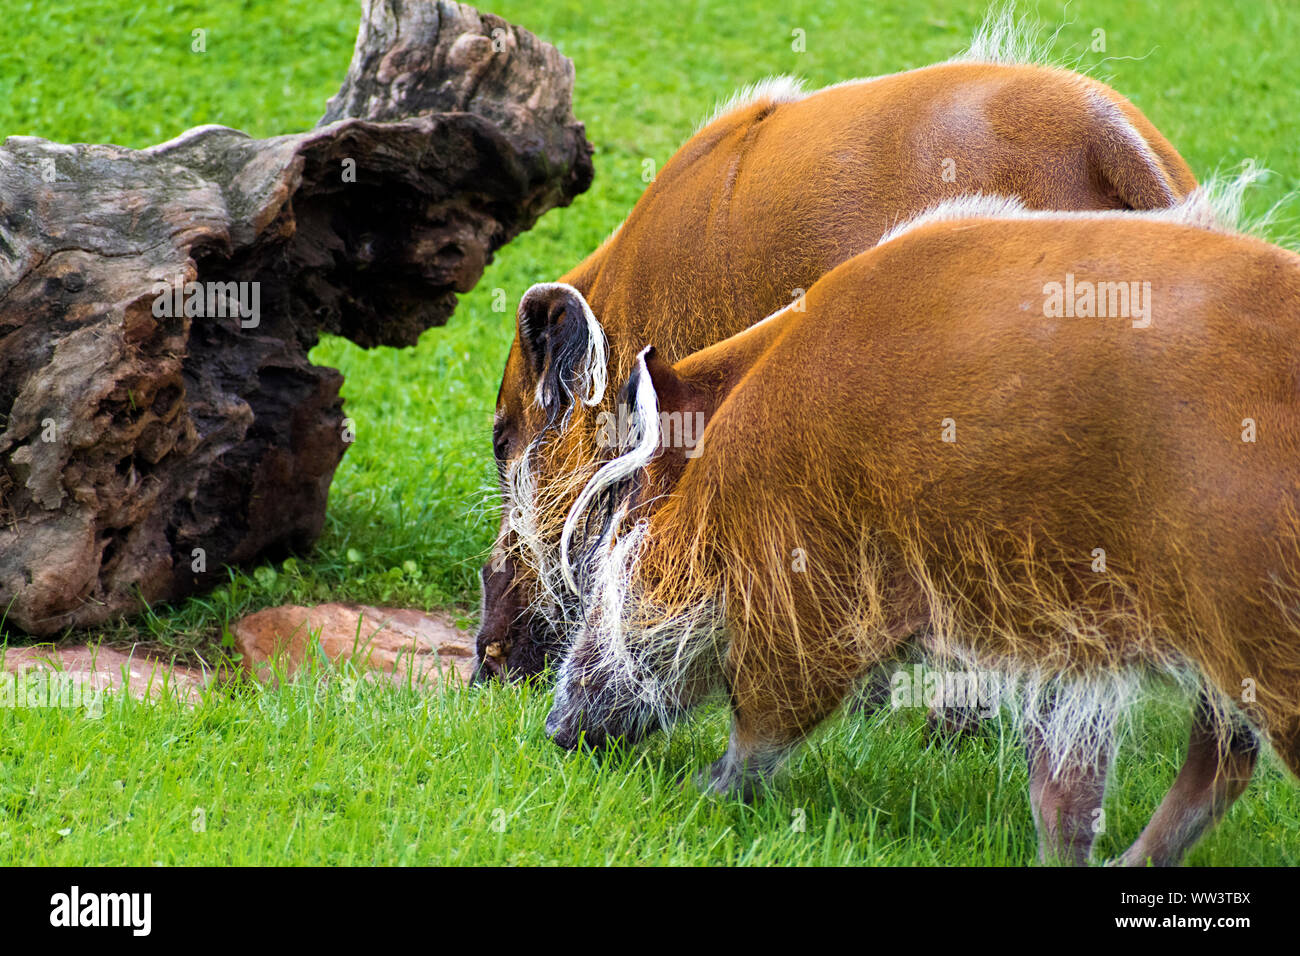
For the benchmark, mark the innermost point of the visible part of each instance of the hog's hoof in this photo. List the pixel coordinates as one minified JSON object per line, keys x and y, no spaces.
{"x":727,"y":777}
{"x":721,"y":781}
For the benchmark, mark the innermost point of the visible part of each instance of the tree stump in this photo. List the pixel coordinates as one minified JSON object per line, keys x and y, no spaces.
{"x":158,"y":415}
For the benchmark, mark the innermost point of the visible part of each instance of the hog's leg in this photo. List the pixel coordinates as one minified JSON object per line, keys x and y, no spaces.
{"x":748,"y":764}
{"x":1066,"y":801}
{"x":772,"y":713}
{"x":1065,"y":808}
{"x":1213,"y":776}
{"x":769,"y":719}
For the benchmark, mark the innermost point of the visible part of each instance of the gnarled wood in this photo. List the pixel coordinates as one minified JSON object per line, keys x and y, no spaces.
{"x":141,"y":450}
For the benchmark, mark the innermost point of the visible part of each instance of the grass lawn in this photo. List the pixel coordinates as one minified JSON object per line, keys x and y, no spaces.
{"x":311,"y":774}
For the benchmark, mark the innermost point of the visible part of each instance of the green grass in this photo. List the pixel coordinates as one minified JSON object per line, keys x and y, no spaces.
{"x":331,"y":772}
{"x":295,"y":774}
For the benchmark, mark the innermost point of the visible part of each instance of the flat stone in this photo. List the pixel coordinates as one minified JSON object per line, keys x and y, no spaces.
{"x":406,"y":644}
{"x":82,"y":672}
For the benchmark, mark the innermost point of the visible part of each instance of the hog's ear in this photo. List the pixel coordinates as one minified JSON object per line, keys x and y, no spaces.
{"x":675,"y":392}
{"x":564,"y":348}
{"x":681,"y":404}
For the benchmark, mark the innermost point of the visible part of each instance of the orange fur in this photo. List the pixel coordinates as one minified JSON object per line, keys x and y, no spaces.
{"x":826,"y":438}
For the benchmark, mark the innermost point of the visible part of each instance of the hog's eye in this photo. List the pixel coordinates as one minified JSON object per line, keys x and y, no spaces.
{"x":501,"y":449}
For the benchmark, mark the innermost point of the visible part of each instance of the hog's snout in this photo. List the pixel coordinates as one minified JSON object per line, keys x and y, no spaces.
{"x":570,"y":733}
{"x":512,"y":643}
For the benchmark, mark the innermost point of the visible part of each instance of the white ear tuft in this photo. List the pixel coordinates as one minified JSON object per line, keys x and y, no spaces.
{"x":570,"y":359}
{"x":644,"y":422}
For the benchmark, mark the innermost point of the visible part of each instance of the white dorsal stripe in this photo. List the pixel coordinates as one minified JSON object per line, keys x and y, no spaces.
{"x":1216,"y":206}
